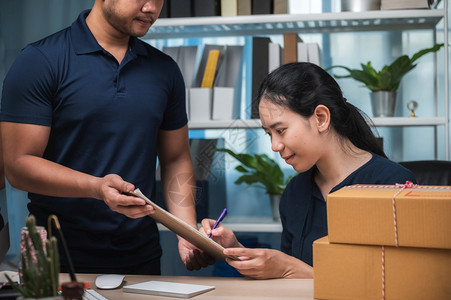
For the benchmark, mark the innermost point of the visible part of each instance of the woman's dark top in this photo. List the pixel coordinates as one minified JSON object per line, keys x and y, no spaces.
{"x":303,"y":208}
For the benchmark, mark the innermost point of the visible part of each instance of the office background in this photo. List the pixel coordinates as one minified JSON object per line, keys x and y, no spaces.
{"x":25,"y":21}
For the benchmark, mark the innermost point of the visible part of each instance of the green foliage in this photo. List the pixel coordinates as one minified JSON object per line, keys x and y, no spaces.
{"x":260,"y":171}
{"x":39,"y":266}
{"x":389,"y":78}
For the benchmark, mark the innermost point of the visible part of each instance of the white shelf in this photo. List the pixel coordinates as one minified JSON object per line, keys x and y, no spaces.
{"x":226,"y":124}
{"x":406,"y":121}
{"x":256,"y":124}
{"x":414,"y":19}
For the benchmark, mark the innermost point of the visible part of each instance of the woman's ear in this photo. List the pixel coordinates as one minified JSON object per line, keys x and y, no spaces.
{"x":322,"y":118}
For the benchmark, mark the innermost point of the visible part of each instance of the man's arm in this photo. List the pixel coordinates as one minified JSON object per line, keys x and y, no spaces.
{"x":177,"y":174}
{"x":179,"y":187}
{"x":26,"y":169}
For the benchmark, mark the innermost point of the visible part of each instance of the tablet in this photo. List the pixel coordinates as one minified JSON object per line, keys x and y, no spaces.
{"x":170,"y":289}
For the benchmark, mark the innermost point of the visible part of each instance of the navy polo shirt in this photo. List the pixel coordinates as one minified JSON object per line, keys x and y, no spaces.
{"x":303,"y":208}
{"x":104,"y":118}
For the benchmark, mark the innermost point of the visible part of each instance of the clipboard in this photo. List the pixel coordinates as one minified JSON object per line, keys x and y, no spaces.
{"x":181,"y":228}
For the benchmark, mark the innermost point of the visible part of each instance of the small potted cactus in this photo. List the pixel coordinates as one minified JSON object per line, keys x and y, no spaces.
{"x":39,"y":266}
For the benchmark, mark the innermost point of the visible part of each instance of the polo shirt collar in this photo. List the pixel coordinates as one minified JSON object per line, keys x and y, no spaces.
{"x":82,"y":39}
{"x":84,"y":42}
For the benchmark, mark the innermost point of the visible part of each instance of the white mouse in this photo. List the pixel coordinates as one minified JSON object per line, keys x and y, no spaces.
{"x":109,"y":281}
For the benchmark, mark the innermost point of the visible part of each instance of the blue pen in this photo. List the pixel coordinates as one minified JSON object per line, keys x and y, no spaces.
{"x":221,"y":217}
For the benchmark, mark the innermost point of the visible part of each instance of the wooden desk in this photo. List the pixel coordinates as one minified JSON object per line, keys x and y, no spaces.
{"x":226,"y":288}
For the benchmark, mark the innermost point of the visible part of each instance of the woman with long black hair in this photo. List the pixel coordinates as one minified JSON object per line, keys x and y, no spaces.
{"x":328,"y":141}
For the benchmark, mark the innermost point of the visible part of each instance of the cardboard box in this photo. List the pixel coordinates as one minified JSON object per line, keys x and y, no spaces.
{"x":343,"y":271}
{"x":364,"y":214}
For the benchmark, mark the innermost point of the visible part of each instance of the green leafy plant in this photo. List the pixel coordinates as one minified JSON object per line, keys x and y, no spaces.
{"x":260,"y":171}
{"x":390,"y":76}
{"x":39,"y":266}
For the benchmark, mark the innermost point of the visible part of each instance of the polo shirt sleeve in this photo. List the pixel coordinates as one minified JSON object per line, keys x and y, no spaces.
{"x":27,"y":89}
{"x":175,"y":114}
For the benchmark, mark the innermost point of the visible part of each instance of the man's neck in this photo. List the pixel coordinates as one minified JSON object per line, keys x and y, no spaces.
{"x":108,"y":38}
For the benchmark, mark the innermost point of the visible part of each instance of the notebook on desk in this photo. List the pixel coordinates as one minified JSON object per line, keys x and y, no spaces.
{"x":170,"y":289}
{"x":184,"y":230}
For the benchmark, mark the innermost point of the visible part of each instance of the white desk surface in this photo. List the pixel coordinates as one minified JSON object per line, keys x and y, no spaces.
{"x":226,"y":288}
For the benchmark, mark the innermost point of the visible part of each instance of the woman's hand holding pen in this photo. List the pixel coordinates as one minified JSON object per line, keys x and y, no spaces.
{"x":267,"y":263}
{"x":223,"y":236}
{"x":256,"y":263}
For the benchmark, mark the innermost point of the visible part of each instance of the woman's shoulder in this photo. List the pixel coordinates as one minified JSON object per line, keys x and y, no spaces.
{"x":381,"y":170}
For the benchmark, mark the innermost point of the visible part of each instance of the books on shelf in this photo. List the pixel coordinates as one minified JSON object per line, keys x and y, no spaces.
{"x":244,"y":7}
{"x":290,"y":47}
{"x":314,"y":55}
{"x":225,"y":8}
{"x":262,"y":7}
{"x":180,"y":9}
{"x":406,"y":4}
{"x":185,"y":57}
{"x":200,"y":99}
{"x":302,"y":52}
{"x":227,"y":87}
{"x":260,"y":68}
{"x":229,"y":8}
{"x":275,"y":56}
{"x":203,"y":8}
{"x":280,"y":7}
{"x":309,"y":52}
{"x":216,"y":91}
{"x":211,"y":68}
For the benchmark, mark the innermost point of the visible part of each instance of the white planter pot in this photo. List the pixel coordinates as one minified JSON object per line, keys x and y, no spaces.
{"x":383,"y":103}
{"x":360,"y":5}
{"x":275,"y":200}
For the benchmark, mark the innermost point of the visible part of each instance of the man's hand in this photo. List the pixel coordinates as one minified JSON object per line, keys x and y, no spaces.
{"x":111,"y":190}
{"x":192,"y":257}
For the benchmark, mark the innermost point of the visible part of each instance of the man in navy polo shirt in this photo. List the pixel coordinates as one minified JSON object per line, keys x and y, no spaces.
{"x":85,"y":113}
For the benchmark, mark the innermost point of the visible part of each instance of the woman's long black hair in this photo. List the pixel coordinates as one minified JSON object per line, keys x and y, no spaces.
{"x":301,"y":87}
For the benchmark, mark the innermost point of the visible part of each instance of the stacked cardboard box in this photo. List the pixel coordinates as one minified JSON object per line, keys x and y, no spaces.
{"x":385,"y":242}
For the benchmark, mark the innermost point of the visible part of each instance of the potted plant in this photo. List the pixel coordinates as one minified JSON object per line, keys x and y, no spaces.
{"x":39,"y":265}
{"x":383,"y":84}
{"x":261,"y":171}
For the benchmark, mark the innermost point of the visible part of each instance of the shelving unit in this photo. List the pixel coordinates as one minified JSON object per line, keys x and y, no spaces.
{"x":390,"y":20}
{"x":302,"y":23}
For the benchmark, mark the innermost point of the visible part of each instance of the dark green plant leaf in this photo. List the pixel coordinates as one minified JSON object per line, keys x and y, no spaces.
{"x":259,"y":170}
{"x":390,"y":76}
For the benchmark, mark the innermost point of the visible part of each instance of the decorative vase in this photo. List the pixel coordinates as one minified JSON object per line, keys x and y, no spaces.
{"x":275,"y":200}
{"x":360,"y":5}
{"x":383,"y":103}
